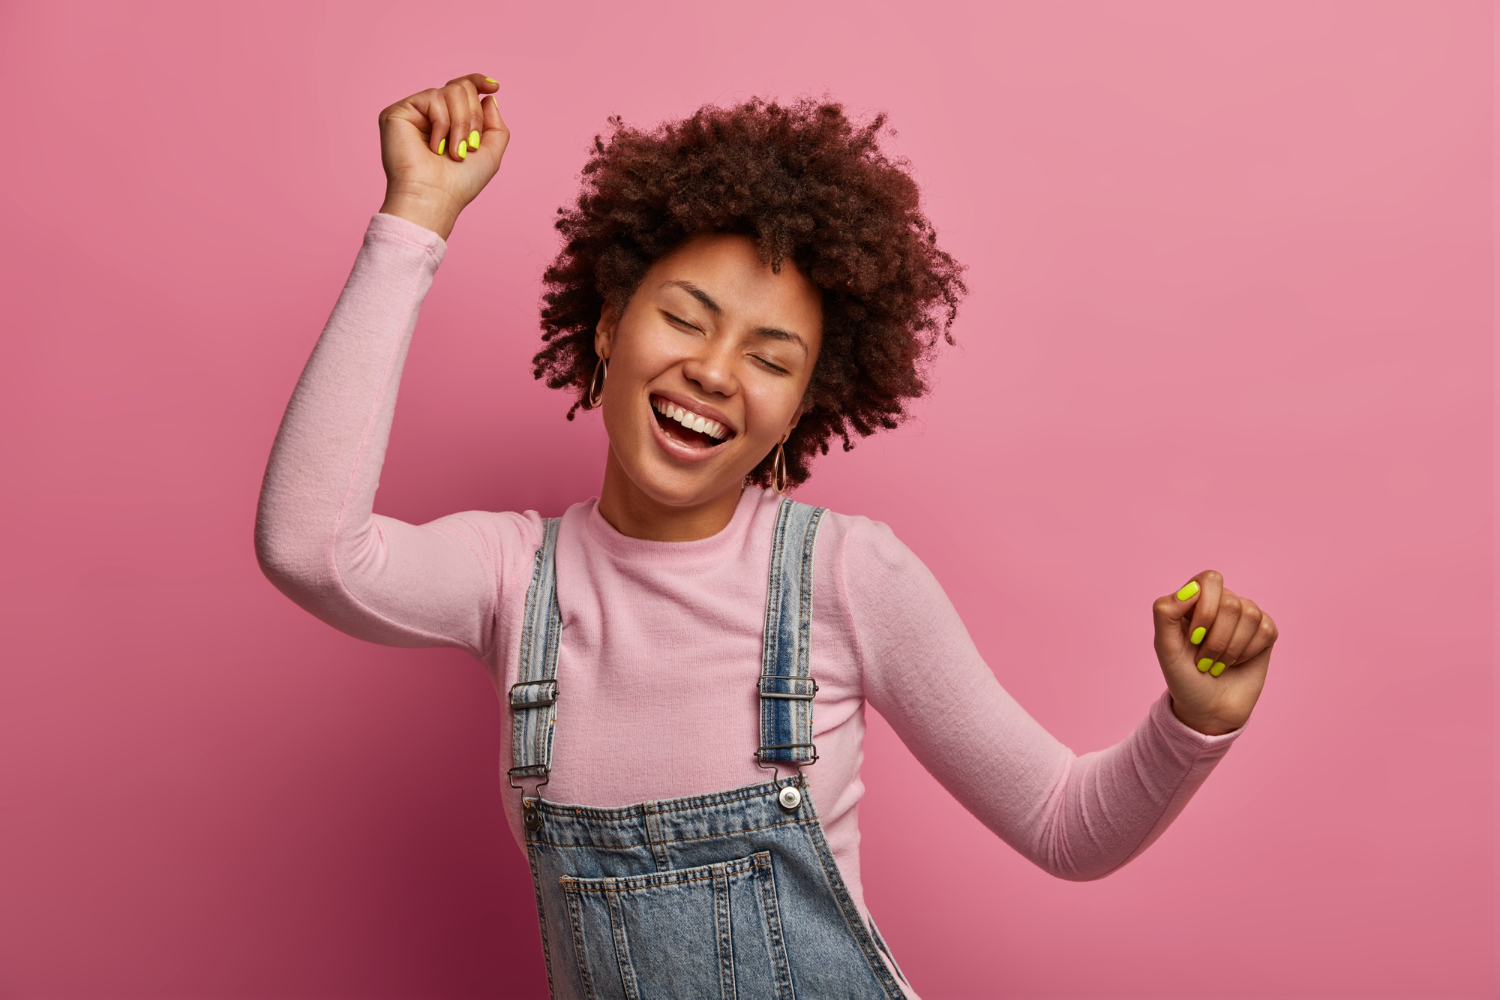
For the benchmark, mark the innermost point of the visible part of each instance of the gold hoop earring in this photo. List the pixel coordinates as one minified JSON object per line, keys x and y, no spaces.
{"x":596,"y":384}
{"x":778,"y":470}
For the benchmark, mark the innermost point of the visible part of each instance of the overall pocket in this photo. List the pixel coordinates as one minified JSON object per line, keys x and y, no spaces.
{"x":709,"y":931}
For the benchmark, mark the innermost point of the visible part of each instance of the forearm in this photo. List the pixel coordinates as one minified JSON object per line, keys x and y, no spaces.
{"x":1108,"y":806}
{"x":1078,"y":817}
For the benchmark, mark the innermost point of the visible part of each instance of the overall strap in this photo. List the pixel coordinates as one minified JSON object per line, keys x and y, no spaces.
{"x":786,"y":688}
{"x":533,"y":698}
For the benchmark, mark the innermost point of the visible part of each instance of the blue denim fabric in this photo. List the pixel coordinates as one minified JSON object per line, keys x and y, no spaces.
{"x":786,"y":689}
{"x":533,"y":698}
{"x":733,"y":895}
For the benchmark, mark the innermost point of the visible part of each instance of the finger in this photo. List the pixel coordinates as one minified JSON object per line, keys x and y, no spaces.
{"x":463,"y":100}
{"x":1168,"y":612}
{"x":481,"y":83}
{"x":1206,"y":609}
{"x":1264,"y":638}
{"x":1211,"y":651}
{"x":1179,"y":604}
{"x":496,"y":133}
{"x":460,"y":115}
{"x":433,"y":111}
{"x":476,"y":121}
{"x":1239,"y":642}
{"x":492,"y":118}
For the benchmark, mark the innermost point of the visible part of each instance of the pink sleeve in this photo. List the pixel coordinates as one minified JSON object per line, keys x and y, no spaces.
{"x":1077,"y":816}
{"x":316,"y":535}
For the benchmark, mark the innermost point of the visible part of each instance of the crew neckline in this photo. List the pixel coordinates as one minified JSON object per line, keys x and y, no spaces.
{"x":606,"y":536}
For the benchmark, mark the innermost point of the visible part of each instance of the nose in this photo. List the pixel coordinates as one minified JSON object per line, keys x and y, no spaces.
{"x":711,"y":367}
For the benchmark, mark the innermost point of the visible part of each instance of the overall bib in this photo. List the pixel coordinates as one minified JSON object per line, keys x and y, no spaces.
{"x":729,"y":895}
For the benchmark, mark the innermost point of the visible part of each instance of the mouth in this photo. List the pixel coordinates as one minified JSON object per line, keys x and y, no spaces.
{"x":689,"y":429}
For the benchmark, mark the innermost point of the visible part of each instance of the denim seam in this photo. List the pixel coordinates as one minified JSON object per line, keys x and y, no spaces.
{"x":856,"y":925}
{"x":775,"y":932}
{"x":673,"y":840}
{"x":725,"y":928}
{"x":692,"y":802}
{"x":623,"y":961}
{"x":580,"y":952}
{"x":740,"y":866}
{"x":541,"y":918}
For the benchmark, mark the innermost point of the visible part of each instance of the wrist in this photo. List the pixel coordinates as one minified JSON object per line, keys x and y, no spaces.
{"x":1206,"y":726}
{"x":426,"y":209}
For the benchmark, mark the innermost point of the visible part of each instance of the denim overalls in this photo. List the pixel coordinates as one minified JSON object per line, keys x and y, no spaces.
{"x":728,"y":895}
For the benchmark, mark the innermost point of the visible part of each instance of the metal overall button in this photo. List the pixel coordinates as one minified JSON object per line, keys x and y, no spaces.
{"x":789,"y":798}
{"x":531,"y":816}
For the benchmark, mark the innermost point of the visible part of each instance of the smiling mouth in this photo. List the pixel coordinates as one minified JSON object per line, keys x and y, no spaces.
{"x":689,"y":428}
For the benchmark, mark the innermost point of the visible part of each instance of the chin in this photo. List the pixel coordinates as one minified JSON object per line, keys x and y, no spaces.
{"x":677,"y":466}
{"x":677,"y":487}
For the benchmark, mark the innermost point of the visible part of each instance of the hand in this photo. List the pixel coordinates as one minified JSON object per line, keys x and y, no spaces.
{"x":1215,"y":681}
{"x":433,"y":167}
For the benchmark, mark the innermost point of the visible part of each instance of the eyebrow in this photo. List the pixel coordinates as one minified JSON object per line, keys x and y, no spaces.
{"x":771,"y":332}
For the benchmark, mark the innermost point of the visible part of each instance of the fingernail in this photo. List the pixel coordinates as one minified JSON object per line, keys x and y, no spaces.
{"x":463,"y":149}
{"x":474,"y":139}
{"x":442,"y":145}
{"x":1188,"y":591}
{"x":1198,"y":634}
{"x":1218,"y":669}
{"x":1205,"y":663}
{"x":488,"y":80}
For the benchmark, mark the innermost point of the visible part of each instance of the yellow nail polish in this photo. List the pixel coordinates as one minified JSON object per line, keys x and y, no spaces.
{"x":442,"y":145}
{"x":474,"y":139}
{"x":488,"y":80}
{"x":1198,"y":634}
{"x":1205,"y":663}
{"x":462,"y":150}
{"x":1218,"y":668}
{"x":1188,"y":591}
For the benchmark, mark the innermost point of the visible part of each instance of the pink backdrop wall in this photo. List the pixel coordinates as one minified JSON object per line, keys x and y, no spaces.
{"x":1232,"y":272}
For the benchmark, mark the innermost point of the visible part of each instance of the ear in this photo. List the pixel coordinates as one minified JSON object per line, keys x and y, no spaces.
{"x":604,"y":332}
{"x":801,"y":409}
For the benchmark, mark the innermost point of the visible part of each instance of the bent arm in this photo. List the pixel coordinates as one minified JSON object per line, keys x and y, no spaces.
{"x":316,"y":536}
{"x":1078,"y":817}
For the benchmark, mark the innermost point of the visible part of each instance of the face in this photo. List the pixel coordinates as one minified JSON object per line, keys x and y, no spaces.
{"x":708,"y":365}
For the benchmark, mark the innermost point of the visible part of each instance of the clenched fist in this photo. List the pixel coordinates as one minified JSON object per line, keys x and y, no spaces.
{"x":440,"y":147}
{"x":1214,"y":647}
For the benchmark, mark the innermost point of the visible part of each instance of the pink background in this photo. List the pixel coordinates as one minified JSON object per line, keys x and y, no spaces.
{"x":1232,"y":272}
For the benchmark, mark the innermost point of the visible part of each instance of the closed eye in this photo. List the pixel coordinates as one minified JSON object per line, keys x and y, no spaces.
{"x":771,"y":365}
{"x":679,"y":321}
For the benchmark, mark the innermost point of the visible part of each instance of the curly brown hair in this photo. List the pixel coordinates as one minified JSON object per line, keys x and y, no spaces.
{"x":809,"y":186}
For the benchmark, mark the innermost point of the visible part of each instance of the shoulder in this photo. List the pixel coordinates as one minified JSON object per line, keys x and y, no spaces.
{"x":882,"y":595}
{"x":870,"y":569}
{"x":863,"y":543}
{"x":506,"y":541}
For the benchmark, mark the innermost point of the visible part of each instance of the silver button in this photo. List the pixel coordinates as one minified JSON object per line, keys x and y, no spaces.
{"x":789,"y":798}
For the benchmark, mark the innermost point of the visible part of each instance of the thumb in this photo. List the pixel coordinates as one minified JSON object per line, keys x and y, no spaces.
{"x":1168,"y":612}
{"x":496,"y":133}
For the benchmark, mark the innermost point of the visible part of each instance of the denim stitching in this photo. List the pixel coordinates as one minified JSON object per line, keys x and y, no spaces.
{"x":541,"y":918}
{"x":580,"y":949}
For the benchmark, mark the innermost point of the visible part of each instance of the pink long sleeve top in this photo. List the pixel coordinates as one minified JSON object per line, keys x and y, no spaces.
{"x":661,"y":641}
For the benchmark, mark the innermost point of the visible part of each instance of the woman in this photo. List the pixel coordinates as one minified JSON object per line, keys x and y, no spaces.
{"x":734,"y":290}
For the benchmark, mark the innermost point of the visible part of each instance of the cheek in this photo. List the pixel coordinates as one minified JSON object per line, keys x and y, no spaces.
{"x":641,"y":354}
{"x":637,"y":358}
{"x":770,"y":409}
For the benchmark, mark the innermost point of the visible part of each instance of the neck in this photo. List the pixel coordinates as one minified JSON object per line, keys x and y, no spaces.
{"x":634,"y":514}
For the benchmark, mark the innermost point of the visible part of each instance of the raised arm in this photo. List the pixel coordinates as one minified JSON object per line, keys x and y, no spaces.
{"x":1078,"y":817}
{"x":316,"y":535}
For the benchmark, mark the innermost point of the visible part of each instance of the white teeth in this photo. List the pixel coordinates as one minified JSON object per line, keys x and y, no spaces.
{"x":692,"y":421}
